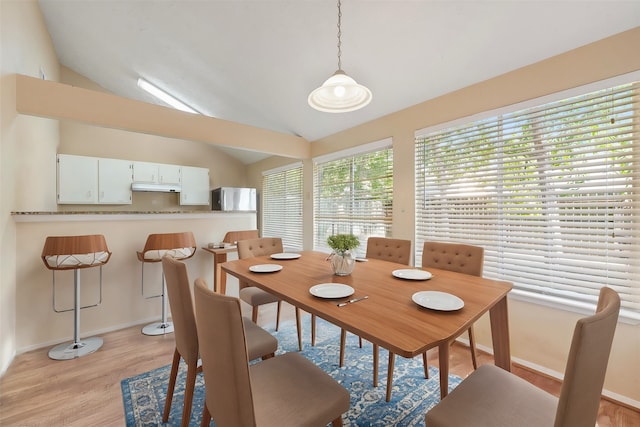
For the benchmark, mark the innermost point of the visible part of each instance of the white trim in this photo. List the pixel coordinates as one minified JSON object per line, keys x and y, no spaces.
{"x":355,"y":151}
{"x":282,"y":168}
{"x":535,"y":102}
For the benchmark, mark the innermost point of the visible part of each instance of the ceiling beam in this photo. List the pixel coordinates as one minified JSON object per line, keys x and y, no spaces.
{"x":45,"y":98}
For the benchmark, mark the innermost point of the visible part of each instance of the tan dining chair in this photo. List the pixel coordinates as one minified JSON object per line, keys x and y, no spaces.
{"x":492,"y":397}
{"x":386,"y":249}
{"x":458,"y":257}
{"x":286,"y":390}
{"x":260,"y":343}
{"x":180,"y":245}
{"x":255,"y":296}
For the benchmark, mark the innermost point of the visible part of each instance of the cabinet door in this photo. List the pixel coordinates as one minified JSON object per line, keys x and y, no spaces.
{"x":169,"y":174}
{"x":145,"y":172}
{"x":114,"y":181}
{"x":195,"y":186}
{"x":77,"y":179}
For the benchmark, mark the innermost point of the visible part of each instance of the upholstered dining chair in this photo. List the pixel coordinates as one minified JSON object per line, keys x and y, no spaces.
{"x":492,"y":397}
{"x":260,"y":343}
{"x":458,"y":257}
{"x":386,"y":249}
{"x":286,"y":390}
{"x":255,"y":296}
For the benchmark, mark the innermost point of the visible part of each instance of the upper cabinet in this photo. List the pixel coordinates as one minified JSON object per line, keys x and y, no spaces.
{"x":77,"y":179}
{"x":195,"y":186}
{"x":156,"y":173}
{"x":85,"y":180}
{"x":89,"y":180}
{"x":114,"y":181}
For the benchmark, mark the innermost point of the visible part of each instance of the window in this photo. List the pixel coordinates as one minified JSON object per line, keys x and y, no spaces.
{"x":550,"y":192}
{"x":282,"y":205}
{"x":354,"y":194}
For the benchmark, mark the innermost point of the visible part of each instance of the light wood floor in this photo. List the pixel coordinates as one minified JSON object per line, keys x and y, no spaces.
{"x":38,"y":391}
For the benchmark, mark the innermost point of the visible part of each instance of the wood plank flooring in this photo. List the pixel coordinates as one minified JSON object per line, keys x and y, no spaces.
{"x":38,"y":391}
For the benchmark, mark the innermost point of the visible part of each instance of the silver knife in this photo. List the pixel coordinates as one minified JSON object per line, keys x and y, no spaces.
{"x":351,"y":301}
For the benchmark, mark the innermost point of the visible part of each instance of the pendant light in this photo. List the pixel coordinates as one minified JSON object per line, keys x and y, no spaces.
{"x":339,"y":93}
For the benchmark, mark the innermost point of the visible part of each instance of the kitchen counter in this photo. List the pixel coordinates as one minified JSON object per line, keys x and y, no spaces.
{"x":120,"y":215}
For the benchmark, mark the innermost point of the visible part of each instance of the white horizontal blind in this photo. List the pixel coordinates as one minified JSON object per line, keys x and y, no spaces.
{"x":282,"y":192}
{"x":551,"y":193}
{"x":353,"y":195}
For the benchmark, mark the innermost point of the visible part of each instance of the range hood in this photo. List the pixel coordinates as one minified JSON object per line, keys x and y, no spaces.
{"x":162,"y":188}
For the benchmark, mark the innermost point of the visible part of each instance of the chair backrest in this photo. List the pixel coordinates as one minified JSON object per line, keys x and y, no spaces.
{"x":587,"y":363}
{"x":182,"y":313}
{"x":224,"y":358}
{"x":178,"y":245}
{"x":394,"y":250}
{"x":259,"y":247}
{"x":235,"y":236}
{"x":73,"y":252}
{"x":458,"y":257}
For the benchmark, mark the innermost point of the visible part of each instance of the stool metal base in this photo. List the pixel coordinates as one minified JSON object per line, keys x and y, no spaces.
{"x":159,"y":328}
{"x":68,"y":351}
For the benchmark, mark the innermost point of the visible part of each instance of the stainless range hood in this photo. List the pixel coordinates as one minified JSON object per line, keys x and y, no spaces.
{"x":162,"y":188}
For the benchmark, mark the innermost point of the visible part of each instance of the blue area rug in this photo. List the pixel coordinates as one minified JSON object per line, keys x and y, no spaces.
{"x":412,"y":397}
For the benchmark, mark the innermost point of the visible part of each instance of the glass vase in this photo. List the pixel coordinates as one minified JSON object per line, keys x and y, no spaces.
{"x":342,"y":263}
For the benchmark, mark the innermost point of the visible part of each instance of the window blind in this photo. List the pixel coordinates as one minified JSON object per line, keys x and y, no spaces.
{"x":550,"y":192}
{"x":353,"y":195}
{"x":282,"y":192}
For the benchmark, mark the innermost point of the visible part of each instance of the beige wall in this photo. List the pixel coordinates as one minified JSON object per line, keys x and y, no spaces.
{"x":540,"y":336}
{"x":27,"y":146}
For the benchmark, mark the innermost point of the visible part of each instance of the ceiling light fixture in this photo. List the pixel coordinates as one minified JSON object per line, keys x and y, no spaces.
{"x":339,"y":93}
{"x":164,"y":96}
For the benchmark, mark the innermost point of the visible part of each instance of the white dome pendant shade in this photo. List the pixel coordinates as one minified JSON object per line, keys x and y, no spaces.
{"x":339,"y":94}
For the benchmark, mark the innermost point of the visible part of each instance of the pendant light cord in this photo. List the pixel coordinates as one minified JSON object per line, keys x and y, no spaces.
{"x":339,"y":37}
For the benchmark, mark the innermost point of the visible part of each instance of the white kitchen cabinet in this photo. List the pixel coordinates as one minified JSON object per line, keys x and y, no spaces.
{"x":114,"y":181}
{"x":77,"y":179}
{"x":156,"y":173}
{"x":195,"y":186}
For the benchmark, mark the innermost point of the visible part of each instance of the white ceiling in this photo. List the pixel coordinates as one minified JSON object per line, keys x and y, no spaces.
{"x":255,"y":62}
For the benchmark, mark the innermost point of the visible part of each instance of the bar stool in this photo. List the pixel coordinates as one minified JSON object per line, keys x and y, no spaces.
{"x":180,"y":246}
{"x":75,"y":253}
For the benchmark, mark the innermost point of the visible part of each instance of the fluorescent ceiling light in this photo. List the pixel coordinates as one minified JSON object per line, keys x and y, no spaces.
{"x":164,"y":96}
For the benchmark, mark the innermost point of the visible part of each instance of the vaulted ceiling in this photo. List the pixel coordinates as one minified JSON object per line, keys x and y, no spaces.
{"x":255,"y":62}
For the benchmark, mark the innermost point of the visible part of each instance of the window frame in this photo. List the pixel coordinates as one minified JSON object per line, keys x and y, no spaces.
{"x":627,"y":315}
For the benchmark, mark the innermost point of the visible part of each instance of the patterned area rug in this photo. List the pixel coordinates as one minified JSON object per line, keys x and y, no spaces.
{"x":412,"y":397}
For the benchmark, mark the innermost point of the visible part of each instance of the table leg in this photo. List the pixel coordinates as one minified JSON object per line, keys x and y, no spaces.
{"x":443,"y":357}
{"x":219,"y":278}
{"x":499,"y":316}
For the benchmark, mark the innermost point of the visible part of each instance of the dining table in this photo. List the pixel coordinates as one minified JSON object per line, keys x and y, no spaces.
{"x":389,"y":316}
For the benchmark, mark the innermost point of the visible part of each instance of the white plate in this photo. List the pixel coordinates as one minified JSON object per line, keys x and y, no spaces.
{"x":411,"y":274}
{"x":437,"y":300}
{"x":265,"y":268}
{"x":331,"y":290}
{"x":285,"y":255}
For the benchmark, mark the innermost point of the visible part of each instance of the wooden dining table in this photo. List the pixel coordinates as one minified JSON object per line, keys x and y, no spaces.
{"x":389,"y":317}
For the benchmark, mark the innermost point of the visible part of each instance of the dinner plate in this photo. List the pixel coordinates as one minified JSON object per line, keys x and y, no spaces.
{"x":436,"y":300}
{"x":265,"y":268}
{"x":411,"y":274}
{"x":331,"y":290}
{"x":285,"y":255}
